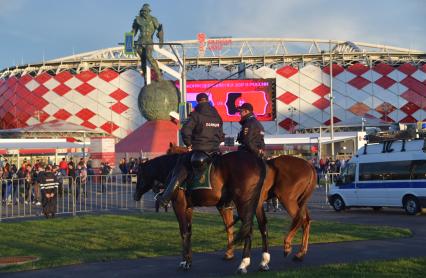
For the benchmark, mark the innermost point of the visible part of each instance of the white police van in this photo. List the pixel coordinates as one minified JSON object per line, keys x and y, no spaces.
{"x":386,"y":174}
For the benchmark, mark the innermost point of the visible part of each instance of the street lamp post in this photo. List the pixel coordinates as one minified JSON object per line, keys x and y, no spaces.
{"x":319,"y":143}
{"x":331,"y":105}
{"x":37,"y":114}
{"x":291,"y":109}
{"x":84,"y":146}
{"x":363,"y":121}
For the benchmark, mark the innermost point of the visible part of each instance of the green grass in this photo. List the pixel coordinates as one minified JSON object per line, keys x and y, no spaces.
{"x":411,"y":267}
{"x":64,"y":241}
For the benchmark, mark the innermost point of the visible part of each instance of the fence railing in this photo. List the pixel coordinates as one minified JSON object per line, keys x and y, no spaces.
{"x":22,"y":198}
{"x":330,"y":178}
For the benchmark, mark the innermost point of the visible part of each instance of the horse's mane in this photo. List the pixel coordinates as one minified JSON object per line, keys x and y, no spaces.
{"x":159,"y":167}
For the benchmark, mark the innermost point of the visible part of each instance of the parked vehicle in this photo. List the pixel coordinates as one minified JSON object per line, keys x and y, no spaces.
{"x":386,"y":174}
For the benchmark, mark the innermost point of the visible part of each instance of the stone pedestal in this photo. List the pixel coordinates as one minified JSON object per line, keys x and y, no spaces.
{"x":151,"y":139}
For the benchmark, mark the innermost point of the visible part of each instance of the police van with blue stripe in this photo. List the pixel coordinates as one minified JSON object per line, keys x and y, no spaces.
{"x":389,"y":173}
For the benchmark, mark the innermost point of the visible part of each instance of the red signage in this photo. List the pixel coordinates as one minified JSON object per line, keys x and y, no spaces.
{"x":213,"y":44}
{"x":227,"y":95}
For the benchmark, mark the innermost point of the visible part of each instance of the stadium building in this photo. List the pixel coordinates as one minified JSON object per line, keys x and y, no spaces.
{"x":98,"y":90}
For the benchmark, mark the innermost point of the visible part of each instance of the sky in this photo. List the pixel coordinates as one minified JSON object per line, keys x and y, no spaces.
{"x":33,"y":30}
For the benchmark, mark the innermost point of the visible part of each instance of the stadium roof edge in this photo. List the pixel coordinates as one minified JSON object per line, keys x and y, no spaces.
{"x":236,"y":48}
{"x":381,"y":47}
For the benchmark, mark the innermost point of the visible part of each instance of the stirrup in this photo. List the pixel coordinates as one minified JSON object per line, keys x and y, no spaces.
{"x":156,"y":196}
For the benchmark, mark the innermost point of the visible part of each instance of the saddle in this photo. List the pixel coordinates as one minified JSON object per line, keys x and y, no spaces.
{"x":202,"y":165}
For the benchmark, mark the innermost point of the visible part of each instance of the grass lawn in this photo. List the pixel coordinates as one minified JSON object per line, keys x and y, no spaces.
{"x":64,"y":241}
{"x":412,"y":267}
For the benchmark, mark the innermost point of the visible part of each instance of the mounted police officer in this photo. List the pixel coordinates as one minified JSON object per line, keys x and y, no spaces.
{"x":202,"y":134}
{"x":49,"y":189}
{"x":251,"y":136}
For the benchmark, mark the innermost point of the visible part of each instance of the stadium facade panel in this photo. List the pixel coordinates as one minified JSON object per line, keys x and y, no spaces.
{"x":99,"y":89}
{"x":107,"y":101}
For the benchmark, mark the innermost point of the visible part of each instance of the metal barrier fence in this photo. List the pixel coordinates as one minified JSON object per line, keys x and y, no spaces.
{"x":329,"y":179}
{"x":21,"y":198}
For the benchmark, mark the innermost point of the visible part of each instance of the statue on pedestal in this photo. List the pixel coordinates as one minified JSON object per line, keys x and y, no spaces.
{"x":147,"y":26}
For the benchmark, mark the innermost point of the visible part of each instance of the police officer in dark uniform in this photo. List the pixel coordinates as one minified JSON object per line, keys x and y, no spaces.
{"x":202,"y":134}
{"x":49,"y":189}
{"x":251,"y":136}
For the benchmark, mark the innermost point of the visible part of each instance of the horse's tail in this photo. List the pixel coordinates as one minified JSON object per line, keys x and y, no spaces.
{"x":310,"y":187}
{"x":250,"y":206}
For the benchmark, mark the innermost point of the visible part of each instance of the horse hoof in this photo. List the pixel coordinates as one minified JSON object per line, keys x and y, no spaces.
{"x":264,"y":268}
{"x":228,"y":257}
{"x":185,"y":266}
{"x":287,"y":252}
{"x":298,"y":258}
{"x":241,"y":271}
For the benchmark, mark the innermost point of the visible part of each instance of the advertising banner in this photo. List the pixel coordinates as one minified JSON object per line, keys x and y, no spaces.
{"x":227,"y":95}
{"x":128,"y":43}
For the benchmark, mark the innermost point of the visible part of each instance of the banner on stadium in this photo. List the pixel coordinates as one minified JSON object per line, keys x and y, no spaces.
{"x":227,"y":95}
{"x":128,"y":43}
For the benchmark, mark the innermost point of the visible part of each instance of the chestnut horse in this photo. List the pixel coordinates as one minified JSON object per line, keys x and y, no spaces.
{"x":292,"y":180}
{"x":241,"y":185}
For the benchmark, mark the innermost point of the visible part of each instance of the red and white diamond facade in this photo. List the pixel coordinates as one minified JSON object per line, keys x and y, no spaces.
{"x":388,"y":93}
{"x":106,"y":99}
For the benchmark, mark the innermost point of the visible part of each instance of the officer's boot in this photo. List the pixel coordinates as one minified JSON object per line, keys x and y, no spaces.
{"x":177,"y":179}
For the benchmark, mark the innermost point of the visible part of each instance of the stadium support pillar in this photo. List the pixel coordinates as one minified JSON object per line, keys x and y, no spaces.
{"x":242,"y":71}
{"x":331,"y":105}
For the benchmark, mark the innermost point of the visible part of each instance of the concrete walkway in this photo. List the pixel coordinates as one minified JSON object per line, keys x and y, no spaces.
{"x":211,"y":264}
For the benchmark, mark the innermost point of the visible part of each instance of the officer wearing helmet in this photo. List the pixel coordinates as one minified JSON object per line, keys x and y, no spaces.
{"x":251,"y":136}
{"x":202,"y":134}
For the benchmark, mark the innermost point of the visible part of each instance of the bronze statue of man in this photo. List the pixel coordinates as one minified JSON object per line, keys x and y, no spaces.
{"x":147,"y":26}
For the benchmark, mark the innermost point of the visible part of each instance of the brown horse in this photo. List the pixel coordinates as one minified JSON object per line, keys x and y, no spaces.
{"x":241,"y":185}
{"x":292,"y":180}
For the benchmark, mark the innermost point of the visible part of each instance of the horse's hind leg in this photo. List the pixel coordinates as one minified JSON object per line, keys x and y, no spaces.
{"x":228,"y":221}
{"x":293,"y":210}
{"x":306,"y":226}
{"x":262,"y":221}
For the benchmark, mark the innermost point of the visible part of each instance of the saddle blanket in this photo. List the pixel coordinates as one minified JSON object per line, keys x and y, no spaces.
{"x":199,"y":180}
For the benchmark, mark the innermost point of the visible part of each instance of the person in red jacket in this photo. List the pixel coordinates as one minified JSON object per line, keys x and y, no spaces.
{"x":63,"y":167}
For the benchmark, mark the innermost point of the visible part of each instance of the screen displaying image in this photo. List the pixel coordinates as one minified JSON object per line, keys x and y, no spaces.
{"x":227,"y":95}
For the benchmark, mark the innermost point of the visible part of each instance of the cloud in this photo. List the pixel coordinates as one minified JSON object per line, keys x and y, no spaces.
{"x":364,"y":21}
{"x":8,"y":7}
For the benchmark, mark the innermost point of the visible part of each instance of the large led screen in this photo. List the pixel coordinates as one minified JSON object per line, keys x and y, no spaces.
{"x":227,"y":95}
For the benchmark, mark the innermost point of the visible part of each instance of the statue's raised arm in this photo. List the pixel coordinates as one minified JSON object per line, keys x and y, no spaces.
{"x":147,"y":25}
{"x":160,"y":34}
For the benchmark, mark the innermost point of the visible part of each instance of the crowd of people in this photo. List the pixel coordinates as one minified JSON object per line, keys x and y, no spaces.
{"x":325,"y":166}
{"x":26,"y":178}
{"x":129,"y":166}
